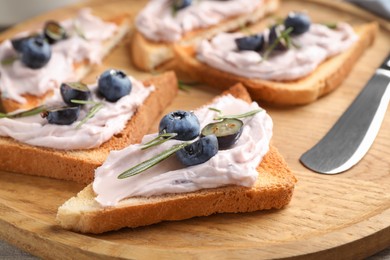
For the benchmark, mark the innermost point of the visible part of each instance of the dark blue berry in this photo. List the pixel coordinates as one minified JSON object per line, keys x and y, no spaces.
{"x":250,"y":43}
{"x":227,"y":131}
{"x":62,"y":115}
{"x":199,"y":151}
{"x":184,"y":124}
{"x":275,"y":34}
{"x":74,"y":90}
{"x":36,"y":52}
{"x":18,"y":43}
{"x":54,"y":32}
{"x":299,"y":22}
{"x":181,"y":4}
{"x":114,"y":84}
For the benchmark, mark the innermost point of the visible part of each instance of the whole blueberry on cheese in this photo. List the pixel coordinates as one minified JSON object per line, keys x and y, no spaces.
{"x":299,"y":22}
{"x":250,"y":43}
{"x":62,"y":115}
{"x":181,"y":4}
{"x":74,"y":91}
{"x":199,"y":151}
{"x":114,"y":84}
{"x":35,"y":52}
{"x":185,"y":124}
{"x":18,"y":43}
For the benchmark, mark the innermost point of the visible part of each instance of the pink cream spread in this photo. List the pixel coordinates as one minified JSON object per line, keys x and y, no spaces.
{"x":86,"y":35}
{"x":108,"y":121}
{"x":236,"y":165}
{"x":157,"y":21}
{"x":314,"y":46}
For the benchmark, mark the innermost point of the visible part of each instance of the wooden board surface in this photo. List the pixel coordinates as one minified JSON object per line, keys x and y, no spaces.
{"x":344,"y":216}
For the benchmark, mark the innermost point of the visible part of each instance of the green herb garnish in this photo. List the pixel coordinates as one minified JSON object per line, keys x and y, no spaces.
{"x":78,"y":30}
{"x":143,"y":166}
{"x":215,"y":109}
{"x":247,"y":114}
{"x":332,"y":26}
{"x":30,"y":112}
{"x":161,"y":138}
{"x":284,"y":35}
{"x":91,"y":113}
{"x":9,"y":60}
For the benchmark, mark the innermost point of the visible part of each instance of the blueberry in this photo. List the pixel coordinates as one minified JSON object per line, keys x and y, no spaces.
{"x":114,"y":84}
{"x":184,"y":124}
{"x":74,"y":90}
{"x":18,"y":43}
{"x":275,"y":34}
{"x":54,"y":32}
{"x":36,"y":52}
{"x":181,"y":4}
{"x":227,"y":131}
{"x":299,"y":22}
{"x":199,"y":151}
{"x":62,"y":115}
{"x":250,"y":43}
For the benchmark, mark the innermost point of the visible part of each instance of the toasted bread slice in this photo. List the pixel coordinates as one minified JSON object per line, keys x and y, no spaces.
{"x":81,"y":68}
{"x":79,"y":165}
{"x":273,"y":189}
{"x":325,"y":78}
{"x":148,"y":55}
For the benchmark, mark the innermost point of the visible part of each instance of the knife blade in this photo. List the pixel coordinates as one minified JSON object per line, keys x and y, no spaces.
{"x":352,"y":135}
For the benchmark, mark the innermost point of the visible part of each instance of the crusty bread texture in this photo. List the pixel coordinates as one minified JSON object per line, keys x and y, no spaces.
{"x":81,"y":68}
{"x":148,"y":55}
{"x":79,"y":165}
{"x":273,"y":189}
{"x":325,"y":78}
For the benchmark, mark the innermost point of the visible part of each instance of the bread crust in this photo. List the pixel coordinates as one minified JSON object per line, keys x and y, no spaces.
{"x":148,"y":55}
{"x":273,"y":189}
{"x":79,"y":165}
{"x":81,"y":69}
{"x":328,"y":76}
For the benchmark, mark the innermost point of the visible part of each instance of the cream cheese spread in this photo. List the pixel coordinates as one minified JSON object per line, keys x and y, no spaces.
{"x":157,"y":21}
{"x":86,"y":34}
{"x":108,"y":121}
{"x":235,"y":166}
{"x":314,"y":46}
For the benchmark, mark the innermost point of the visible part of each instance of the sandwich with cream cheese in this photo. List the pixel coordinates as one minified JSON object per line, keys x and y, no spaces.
{"x":176,"y":176}
{"x":291,"y":63}
{"x":74,"y":131}
{"x":163,"y":23}
{"x":35,"y":63}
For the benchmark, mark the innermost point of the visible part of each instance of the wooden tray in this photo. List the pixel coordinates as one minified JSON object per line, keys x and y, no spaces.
{"x":343,"y":216}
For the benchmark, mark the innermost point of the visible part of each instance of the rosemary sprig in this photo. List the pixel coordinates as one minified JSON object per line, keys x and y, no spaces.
{"x":9,"y":60}
{"x":215,"y":109}
{"x":143,"y":166}
{"x":30,"y":112}
{"x":161,"y":138}
{"x":84,"y":102}
{"x":78,"y":30}
{"x":91,"y":113}
{"x":284,"y":35}
{"x":331,"y":25}
{"x":247,"y":114}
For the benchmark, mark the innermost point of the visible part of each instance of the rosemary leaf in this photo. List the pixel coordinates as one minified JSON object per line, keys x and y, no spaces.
{"x":215,"y":109}
{"x":9,"y":60}
{"x":331,"y":25}
{"x":30,"y":112}
{"x":186,"y":86}
{"x":161,"y":138}
{"x":143,"y":166}
{"x":247,"y":114}
{"x":91,"y":113}
{"x":84,"y":102}
{"x":78,"y":30}
{"x":284,"y":35}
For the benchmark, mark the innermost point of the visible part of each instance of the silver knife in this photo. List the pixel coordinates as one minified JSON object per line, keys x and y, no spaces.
{"x":352,"y":135}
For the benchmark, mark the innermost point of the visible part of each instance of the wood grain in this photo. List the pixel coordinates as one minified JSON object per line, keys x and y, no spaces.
{"x":344,"y":216}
